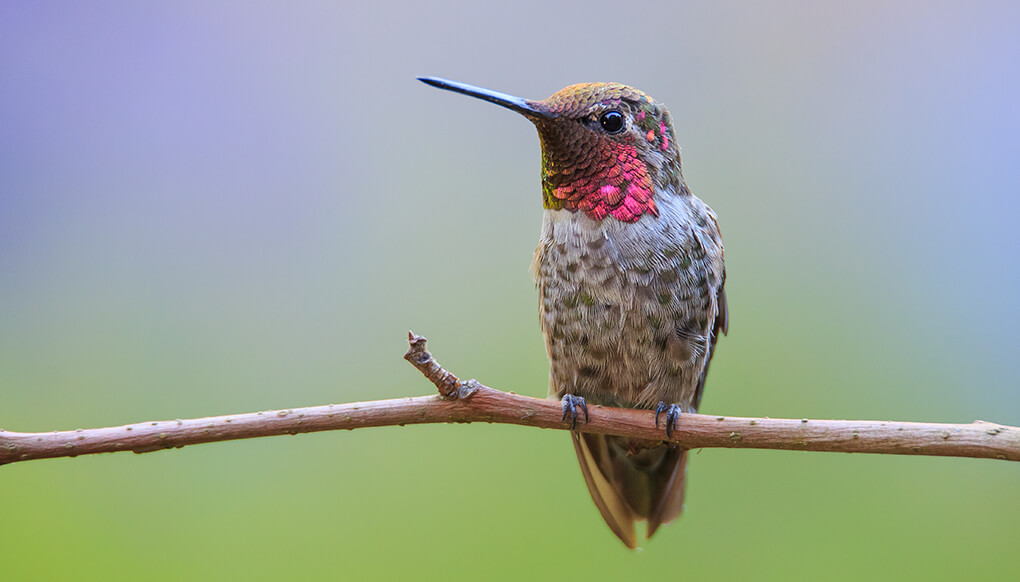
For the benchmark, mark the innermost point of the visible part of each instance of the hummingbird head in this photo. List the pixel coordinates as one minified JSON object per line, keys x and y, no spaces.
{"x":607,"y":149}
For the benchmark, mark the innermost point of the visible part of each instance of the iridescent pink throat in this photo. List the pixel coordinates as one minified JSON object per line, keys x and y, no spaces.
{"x":620,"y":187}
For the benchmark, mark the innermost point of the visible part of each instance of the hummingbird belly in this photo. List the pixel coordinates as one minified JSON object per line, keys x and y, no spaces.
{"x":627,"y":308}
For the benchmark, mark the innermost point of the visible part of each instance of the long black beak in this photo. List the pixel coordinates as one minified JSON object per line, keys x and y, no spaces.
{"x":517,"y":104}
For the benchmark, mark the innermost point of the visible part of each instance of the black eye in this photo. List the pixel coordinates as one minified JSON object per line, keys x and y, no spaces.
{"x":612,"y":121}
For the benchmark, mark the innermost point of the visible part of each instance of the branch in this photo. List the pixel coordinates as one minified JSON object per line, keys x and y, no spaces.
{"x":470,"y":401}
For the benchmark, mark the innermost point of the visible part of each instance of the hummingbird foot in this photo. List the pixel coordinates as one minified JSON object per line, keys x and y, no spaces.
{"x":672,"y":417}
{"x":570,"y":405}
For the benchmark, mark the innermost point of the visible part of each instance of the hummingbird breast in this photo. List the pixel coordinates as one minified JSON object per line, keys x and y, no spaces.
{"x":628,"y":309}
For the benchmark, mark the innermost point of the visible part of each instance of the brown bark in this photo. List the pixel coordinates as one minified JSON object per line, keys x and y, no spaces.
{"x":472,"y":402}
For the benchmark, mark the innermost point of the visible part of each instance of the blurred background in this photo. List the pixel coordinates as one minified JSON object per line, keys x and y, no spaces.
{"x":219,"y":207}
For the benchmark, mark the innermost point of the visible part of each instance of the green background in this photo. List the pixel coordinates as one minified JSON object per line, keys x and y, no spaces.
{"x":212,"y":207}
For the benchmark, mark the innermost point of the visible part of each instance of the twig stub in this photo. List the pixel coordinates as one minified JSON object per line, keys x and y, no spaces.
{"x":449,"y":385}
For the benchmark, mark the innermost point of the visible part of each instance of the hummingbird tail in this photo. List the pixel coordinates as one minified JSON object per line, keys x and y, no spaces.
{"x":670,"y":496}
{"x":593,"y":455}
{"x":629,"y":483}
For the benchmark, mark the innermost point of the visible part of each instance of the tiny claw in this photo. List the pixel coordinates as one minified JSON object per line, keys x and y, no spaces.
{"x":673,"y":412}
{"x":658,"y":411}
{"x":570,"y":405}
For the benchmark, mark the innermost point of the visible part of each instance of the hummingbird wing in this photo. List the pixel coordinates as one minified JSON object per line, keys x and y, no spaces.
{"x":721,"y":325}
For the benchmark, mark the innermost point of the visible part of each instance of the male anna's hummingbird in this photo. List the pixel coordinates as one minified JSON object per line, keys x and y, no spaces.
{"x":630,"y":276}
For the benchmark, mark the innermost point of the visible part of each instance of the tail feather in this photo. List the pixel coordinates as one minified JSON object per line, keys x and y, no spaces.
{"x":593,"y":455}
{"x":627,"y":486}
{"x":670,"y":503}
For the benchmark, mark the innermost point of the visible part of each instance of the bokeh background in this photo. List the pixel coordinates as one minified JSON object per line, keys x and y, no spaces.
{"x":219,"y":207}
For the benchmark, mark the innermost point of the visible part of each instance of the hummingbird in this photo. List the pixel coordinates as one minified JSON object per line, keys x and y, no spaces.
{"x":630,"y":274}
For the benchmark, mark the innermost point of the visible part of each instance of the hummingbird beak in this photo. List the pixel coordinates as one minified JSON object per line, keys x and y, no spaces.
{"x":522,"y":106}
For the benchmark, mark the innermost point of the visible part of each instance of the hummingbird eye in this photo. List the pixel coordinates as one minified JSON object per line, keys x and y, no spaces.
{"x":612,"y":121}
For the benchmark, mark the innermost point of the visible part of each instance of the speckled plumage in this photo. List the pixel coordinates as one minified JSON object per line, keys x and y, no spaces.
{"x":629,"y":310}
{"x":631,"y":314}
{"x":630,"y":275}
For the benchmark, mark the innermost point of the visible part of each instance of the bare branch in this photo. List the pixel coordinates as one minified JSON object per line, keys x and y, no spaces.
{"x":472,"y":402}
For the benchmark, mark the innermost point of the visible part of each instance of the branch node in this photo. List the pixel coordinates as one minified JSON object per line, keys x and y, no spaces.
{"x":466,"y":389}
